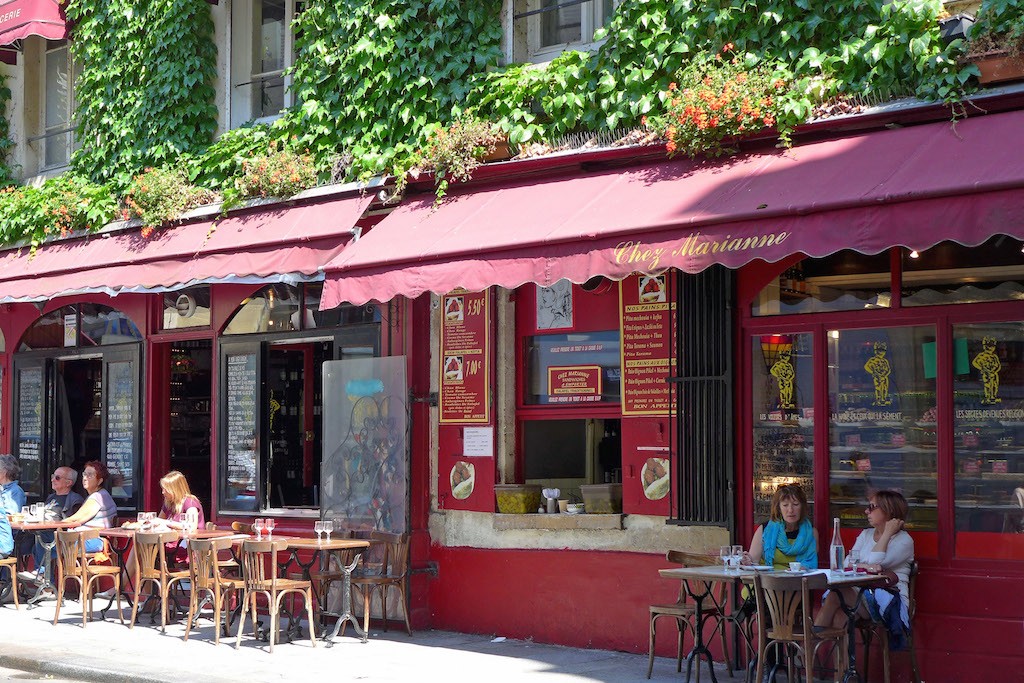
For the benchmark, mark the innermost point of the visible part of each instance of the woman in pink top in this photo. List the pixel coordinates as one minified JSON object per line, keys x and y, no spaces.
{"x":180,"y":505}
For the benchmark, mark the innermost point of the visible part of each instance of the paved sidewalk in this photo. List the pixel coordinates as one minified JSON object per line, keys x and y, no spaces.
{"x":108,"y":651}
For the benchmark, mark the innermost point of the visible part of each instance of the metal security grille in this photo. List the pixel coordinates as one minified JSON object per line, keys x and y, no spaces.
{"x":703,"y":433}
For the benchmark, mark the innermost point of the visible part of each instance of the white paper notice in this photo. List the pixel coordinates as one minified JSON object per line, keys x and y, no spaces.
{"x":478,"y":441}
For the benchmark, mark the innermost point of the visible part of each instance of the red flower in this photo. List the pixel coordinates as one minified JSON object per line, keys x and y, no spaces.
{"x":727,"y":47}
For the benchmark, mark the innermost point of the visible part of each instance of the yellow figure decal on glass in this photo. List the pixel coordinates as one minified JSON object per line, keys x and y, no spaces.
{"x":782,"y":370}
{"x":879,"y":369}
{"x":988,"y":364}
{"x":275,"y":406}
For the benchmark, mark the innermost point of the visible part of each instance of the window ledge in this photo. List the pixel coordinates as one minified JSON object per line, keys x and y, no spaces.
{"x":559,"y":521}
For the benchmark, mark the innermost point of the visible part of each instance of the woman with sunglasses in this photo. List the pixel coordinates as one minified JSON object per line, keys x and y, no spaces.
{"x":99,"y":510}
{"x":883,"y":546}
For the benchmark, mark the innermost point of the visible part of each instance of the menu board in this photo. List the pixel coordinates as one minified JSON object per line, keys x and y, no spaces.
{"x":465,"y":358}
{"x":647,"y":324}
{"x":242,"y":428}
{"x":30,"y":426}
{"x":120,"y":436}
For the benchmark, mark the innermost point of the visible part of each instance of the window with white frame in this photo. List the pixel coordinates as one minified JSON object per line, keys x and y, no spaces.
{"x":58,"y":106}
{"x":262,"y":50}
{"x":544,"y":28}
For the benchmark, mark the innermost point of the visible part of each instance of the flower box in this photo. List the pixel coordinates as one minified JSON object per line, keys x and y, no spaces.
{"x":998,"y":66}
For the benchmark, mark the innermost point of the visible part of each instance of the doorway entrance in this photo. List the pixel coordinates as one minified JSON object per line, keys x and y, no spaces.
{"x":190,"y":386}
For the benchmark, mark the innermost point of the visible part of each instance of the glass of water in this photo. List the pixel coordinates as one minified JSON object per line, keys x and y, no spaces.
{"x":328,"y":528}
{"x":269,"y":525}
{"x":318,"y":527}
{"x":725,"y":552}
{"x":257,"y":526}
{"x":736,"y":556}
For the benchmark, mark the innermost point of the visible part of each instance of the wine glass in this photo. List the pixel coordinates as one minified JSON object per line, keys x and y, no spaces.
{"x":269,"y":525}
{"x":141,"y":520}
{"x":318,"y":527}
{"x":328,"y":528}
{"x":724,"y":552}
{"x":737,"y":556}
{"x":257,"y":526}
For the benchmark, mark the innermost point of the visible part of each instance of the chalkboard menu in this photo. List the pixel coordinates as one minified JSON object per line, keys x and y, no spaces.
{"x":30,"y":428}
{"x":242,"y":428}
{"x":120,"y":436}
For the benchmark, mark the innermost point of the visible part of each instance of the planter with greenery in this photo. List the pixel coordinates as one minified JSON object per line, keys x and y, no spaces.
{"x":159,"y":195}
{"x":452,"y":153}
{"x":718,"y":100}
{"x":997,"y":41}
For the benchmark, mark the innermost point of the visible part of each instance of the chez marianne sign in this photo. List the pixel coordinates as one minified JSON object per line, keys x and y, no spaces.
{"x":648,"y":258}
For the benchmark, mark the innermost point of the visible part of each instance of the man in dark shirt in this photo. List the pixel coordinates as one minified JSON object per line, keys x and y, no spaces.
{"x":63,"y":502}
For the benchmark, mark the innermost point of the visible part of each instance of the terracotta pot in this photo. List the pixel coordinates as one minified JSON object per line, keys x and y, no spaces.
{"x":999,"y":66}
{"x":501,"y":152}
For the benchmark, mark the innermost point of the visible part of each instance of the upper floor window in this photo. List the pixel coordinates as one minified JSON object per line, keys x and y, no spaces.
{"x":262,"y":49}
{"x":58,"y":105}
{"x":544,"y":28}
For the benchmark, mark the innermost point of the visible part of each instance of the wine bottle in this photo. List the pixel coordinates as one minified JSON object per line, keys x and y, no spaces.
{"x":836,"y":551}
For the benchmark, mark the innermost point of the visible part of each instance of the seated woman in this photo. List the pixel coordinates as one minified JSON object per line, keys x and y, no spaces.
{"x":788,"y":536}
{"x":884,"y":545}
{"x":179,"y":505}
{"x":98,"y":511}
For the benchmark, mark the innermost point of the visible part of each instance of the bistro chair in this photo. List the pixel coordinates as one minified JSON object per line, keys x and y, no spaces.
{"x":150,"y":566}
{"x":256,"y":556}
{"x":206,"y":580}
{"x":73,"y":563}
{"x":784,"y":610}
{"x":683,"y":611}
{"x":390,"y":573}
{"x":869,"y":629}
{"x":12,"y":568}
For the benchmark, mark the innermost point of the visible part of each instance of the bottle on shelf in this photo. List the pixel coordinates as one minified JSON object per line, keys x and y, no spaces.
{"x":836,"y":551}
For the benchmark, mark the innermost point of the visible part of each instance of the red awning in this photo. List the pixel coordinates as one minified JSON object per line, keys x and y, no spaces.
{"x":269,"y":244}
{"x":911,"y":186}
{"x":20,"y":19}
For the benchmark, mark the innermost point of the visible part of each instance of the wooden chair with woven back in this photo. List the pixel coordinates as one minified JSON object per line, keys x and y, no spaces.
{"x":259,"y":572}
{"x":208,"y":585}
{"x":74,"y":563}
{"x":784,"y":615}
{"x":870,"y":629}
{"x":391,"y":572}
{"x":682,"y":611}
{"x":11,"y":563}
{"x":150,"y":566}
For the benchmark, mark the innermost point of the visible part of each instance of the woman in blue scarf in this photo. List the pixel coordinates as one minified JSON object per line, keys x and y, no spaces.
{"x":788,"y":536}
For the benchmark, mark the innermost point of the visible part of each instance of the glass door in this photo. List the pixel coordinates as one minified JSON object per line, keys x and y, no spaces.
{"x":783,"y":416}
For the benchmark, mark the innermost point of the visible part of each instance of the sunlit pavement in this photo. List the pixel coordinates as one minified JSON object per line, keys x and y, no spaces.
{"x":108,"y":651}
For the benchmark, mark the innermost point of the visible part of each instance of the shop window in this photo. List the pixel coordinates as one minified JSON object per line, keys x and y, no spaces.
{"x":783,"y":391}
{"x":844,"y":281}
{"x":573,"y":369}
{"x":568,"y":453}
{"x":950,"y":273}
{"x":58,"y":106}
{"x":188,"y":307}
{"x":80,"y":325}
{"x":988,"y":433}
{"x":882,"y":427}
{"x":262,"y":51}
{"x":544,"y":28}
{"x":287,"y":308}
{"x":271,"y":402}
